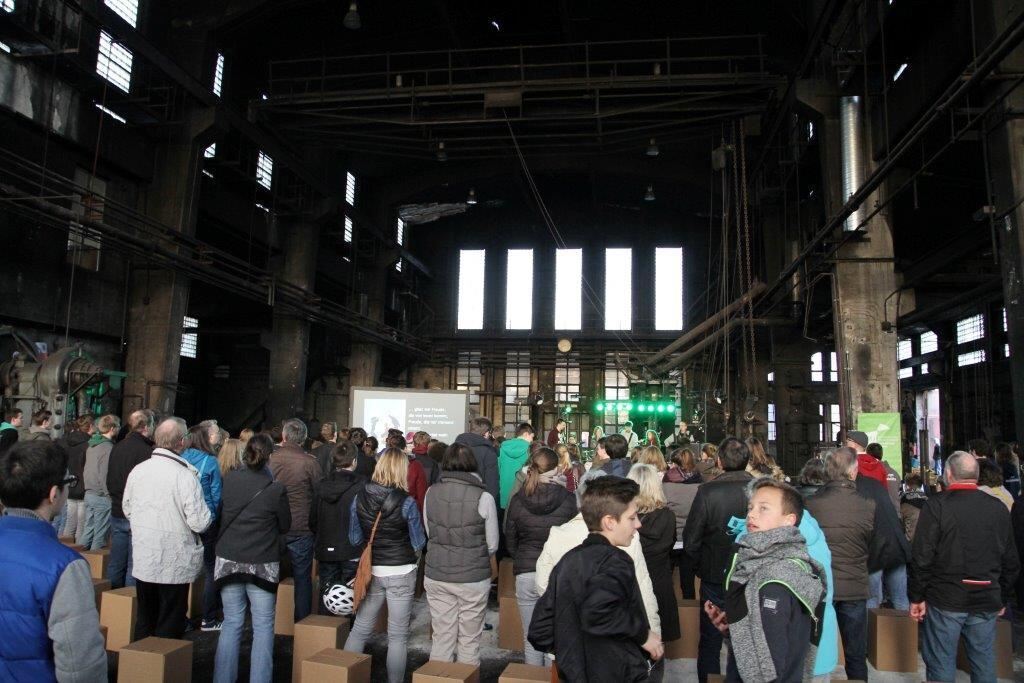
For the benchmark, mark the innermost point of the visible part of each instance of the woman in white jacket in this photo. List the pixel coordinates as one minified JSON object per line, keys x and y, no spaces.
{"x":164,"y":503}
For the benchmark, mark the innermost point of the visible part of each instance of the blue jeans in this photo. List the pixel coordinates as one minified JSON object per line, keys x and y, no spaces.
{"x":942,"y":631}
{"x":211,"y":597}
{"x":852,"y":619}
{"x":895,"y":581}
{"x":398,"y":592}
{"x":709,"y":652}
{"x":119,"y":571}
{"x":300,"y":549}
{"x":261,"y":659}
{"x":97,"y":521}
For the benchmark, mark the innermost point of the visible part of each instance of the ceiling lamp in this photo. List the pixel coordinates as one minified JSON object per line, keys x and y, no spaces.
{"x":442,"y":155}
{"x":352,"y":20}
{"x":471,"y":199}
{"x":652,"y":148}
{"x":649,"y":195}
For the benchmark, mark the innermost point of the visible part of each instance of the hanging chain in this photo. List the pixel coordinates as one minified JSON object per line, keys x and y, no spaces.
{"x":739,"y":248}
{"x":746,"y":237}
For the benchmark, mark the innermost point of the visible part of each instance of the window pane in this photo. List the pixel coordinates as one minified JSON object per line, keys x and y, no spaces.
{"x":903,"y":349}
{"x":970,"y":329}
{"x":929,"y":342}
{"x":668,"y":288}
{"x":519,"y":290}
{"x":971,"y":358}
{"x":400,"y":238}
{"x":816,"y":371}
{"x":218,"y":74}
{"x":904,"y":373}
{"x":618,"y":289}
{"x":114,"y":62}
{"x":190,"y":340}
{"x":350,"y":189}
{"x":211,"y":151}
{"x":568,"y":289}
{"x":348,"y":229}
{"x":126,"y":9}
{"x":471,"y":289}
{"x":264,"y":170}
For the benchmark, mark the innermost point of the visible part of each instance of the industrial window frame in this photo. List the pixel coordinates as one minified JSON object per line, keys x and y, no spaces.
{"x":618,"y":289}
{"x":928,"y":342}
{"x":568,"y":289}
{"x":772,"y":424}
{"x":400,"y":239}
{"x":126,"y":9}
{"x":350,"y":188}
{"x":519,"y":289}
{"x":615,"y":390}
{"x":567,"y":377}
{"x":114,"y":63}
{"x":969,"y":358}
{"x":971,"y":328}
{"x":265,"y":170}
{"x":349,"y":230}
{"x":669,"y":271}
{"x":189,"y":340}
{"x":218,"y":74}
{"x":471,"y":292}
{"x":468,"y":375}
{"x":516,"y":407}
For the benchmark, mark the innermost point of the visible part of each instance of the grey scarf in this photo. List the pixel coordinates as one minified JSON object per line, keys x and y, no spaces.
{"x":779,"y":556}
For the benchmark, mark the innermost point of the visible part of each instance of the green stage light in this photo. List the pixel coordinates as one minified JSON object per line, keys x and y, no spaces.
{"x":629,"y":406}
{"x":661,"y":408}
{"x":599,"y":407}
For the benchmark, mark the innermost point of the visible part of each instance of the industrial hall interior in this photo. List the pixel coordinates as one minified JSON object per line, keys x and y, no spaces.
{"x":596,"y":341}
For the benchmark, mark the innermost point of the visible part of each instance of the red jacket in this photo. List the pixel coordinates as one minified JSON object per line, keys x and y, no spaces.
{"x":553,"y":438}
{"x":417,"y":483}
{"x":872,"y":467}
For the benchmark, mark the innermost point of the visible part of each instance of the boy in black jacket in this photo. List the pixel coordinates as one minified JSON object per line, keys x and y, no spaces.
{"x":329,"y":518}
{"x":592,"y":616}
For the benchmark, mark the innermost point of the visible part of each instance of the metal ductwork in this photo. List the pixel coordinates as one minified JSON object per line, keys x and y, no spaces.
{"x":851,"y":133}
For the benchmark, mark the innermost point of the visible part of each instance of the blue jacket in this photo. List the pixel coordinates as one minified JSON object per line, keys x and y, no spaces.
{"x":31,"y":565}
{"x":209,"y":477}
{"x":817,"y":548}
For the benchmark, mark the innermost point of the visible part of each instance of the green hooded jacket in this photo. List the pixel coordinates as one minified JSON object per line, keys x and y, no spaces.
{"x":512,"y":458}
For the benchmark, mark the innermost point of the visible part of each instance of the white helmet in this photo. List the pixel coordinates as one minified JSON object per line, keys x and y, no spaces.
{"x":339,"y":598}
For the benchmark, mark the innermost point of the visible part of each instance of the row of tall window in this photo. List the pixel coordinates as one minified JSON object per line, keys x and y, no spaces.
{"x":967,"y":331}
{"x":570,"y":286}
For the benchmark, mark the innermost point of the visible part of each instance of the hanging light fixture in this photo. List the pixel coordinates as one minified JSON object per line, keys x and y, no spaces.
{"x":352,"y":20}
{"x":471,"y":199}
{"x":649,"y":195}
{"x":442,"y":155}
{"x":652,"y":148}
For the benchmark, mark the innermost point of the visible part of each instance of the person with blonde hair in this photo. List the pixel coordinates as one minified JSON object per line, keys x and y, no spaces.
{"x":386,"y":503}
{"x":657,"y":537}
{"x":229,"y":457}
{"x":652,"y":455}
{"x":707,"y":466}
{"x":245,"y":435}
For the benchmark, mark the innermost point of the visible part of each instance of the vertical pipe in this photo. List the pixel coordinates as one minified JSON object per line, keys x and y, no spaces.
{"x":851,"y":133}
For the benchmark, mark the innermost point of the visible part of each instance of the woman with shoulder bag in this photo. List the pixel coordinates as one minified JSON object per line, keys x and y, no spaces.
{"x":385,"y":516}
{"x":461,"y":519}
{"x":254,"y":515}
{"x":542,"y":503}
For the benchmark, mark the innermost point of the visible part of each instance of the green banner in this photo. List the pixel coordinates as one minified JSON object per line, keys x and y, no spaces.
{"x":884,"y":429}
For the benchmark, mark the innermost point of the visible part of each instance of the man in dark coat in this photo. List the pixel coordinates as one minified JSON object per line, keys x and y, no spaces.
{"x":592,"y":616}
{"x":706,"y":539}
{"x":478,"y":438}
{"x":135,"y":448}
{"x":962,"y":574}
{"x":364,"y":463}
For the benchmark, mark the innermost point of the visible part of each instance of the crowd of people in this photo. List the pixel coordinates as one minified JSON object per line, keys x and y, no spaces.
{"x":787,"y":566}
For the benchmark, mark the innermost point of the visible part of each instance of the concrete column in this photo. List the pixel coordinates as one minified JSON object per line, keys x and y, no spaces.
{"x":365,"y":357}
{"x":864,"y":276}
{"x":159,"y":298}
{"x":289,"y":346}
